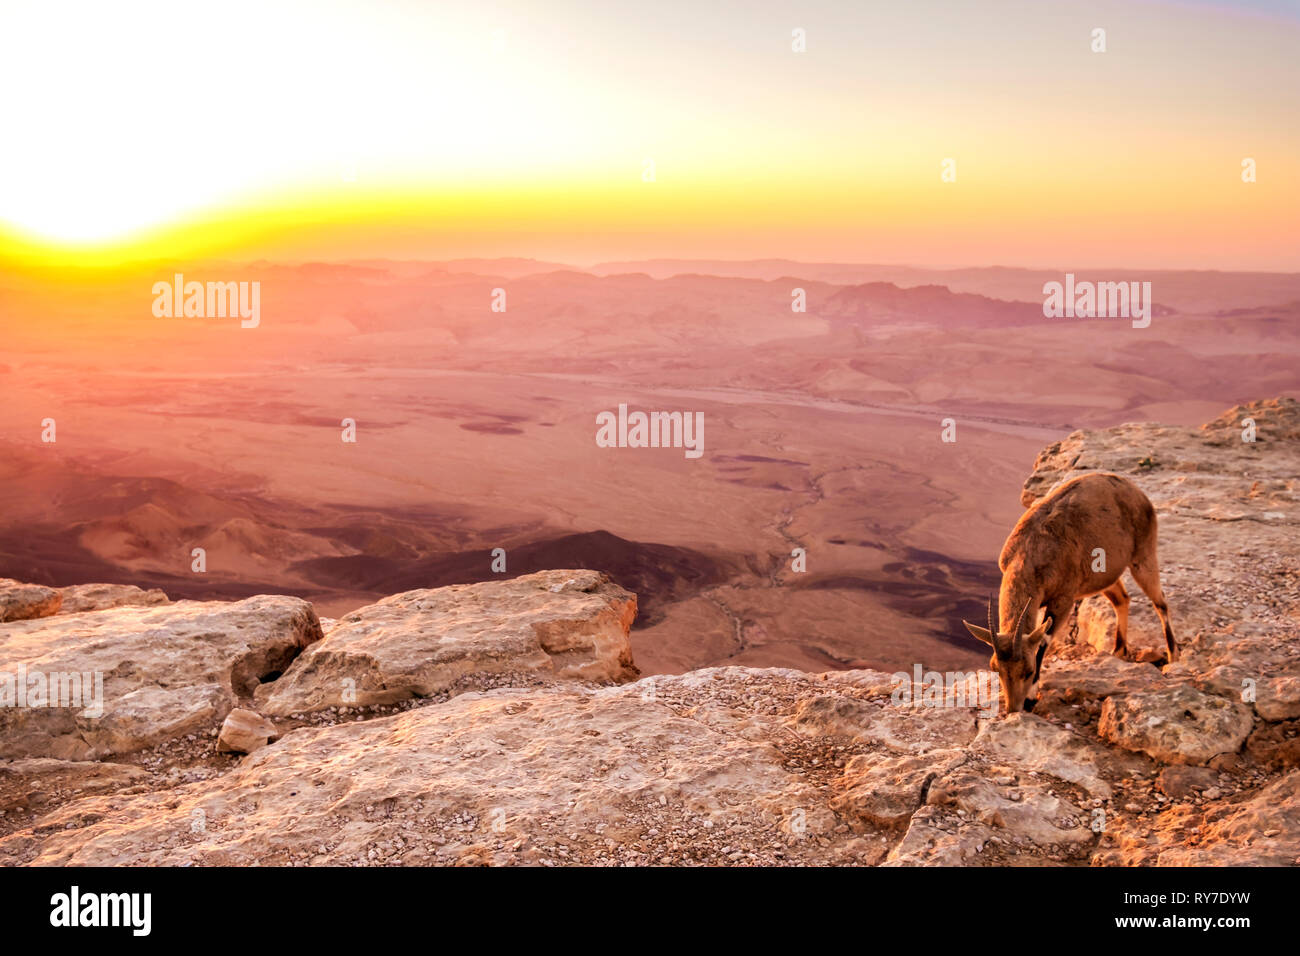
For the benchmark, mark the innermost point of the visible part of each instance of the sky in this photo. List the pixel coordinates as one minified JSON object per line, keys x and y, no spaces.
{"x":377,"y":128}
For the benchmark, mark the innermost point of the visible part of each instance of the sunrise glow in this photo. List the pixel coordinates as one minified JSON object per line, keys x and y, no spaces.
{"x":342,"y":129}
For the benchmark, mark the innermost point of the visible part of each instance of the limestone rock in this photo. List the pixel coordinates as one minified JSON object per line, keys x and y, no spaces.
{"x":96,"y":597}
{"x":1176,"y":724}
{"x":21,"y":602}
{"x":886,"y":790}
{"x":1030,"y":812}
{"x":34,"y":781}
{"x":979,"y":815}
{"x":1276,"y":420}
{"x":538,"y":627}
{"x":244,"y":731}
{"x":1263,"y":830}
{"x":1096,"y":676}
{"x":151,"y":715}
{"x":933,"y":839}
{"x":104,"y":657}
{"x":1031,"y":743}
{"x":1275,"y":746}
{"x":905,"y":728}
{"x":1180,"y":782}
{"x":557,"y":773}
{"x":1278,"y":698}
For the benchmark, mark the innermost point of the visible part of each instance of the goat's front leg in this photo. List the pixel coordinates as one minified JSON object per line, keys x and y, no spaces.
{"x":1058,"y":615}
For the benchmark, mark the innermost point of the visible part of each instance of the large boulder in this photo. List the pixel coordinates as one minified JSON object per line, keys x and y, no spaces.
{"x":152,"y":715}
{"x":1176,"y":724}
{"x":531,"y":629}
{"x":21,"y":602}
{"x":78,"y":685}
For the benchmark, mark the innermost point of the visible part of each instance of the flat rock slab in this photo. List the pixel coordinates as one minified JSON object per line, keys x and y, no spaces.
{"x":34,"y":781}
{"x":903,"y":728}
{"x":78,"y":598}
{"x":1096,"y":675}
{"x":886,"y":789}
{"x":539,"y":627}
{"x":502,"y":776}
{"x":1031,"y":743}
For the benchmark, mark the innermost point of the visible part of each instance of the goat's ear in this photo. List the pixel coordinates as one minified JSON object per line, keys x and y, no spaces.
{"x":1038,"y":633}
{"x":979,"y":633}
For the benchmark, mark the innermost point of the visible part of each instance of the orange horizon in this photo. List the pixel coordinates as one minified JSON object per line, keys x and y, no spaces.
{"x":966,"y":137}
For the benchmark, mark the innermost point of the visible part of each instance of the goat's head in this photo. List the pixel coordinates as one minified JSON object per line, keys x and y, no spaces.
{"x":1017,"y":657}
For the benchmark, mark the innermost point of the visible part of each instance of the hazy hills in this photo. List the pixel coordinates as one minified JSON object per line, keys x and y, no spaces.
{"x":475,"y":430}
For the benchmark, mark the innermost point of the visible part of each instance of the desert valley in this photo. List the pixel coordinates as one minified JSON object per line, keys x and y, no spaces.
{"x":507,"y":722}
{"x":475,"y":430}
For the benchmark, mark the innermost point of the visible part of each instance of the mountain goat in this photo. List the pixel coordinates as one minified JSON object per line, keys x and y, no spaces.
{"x":1075,"y":542}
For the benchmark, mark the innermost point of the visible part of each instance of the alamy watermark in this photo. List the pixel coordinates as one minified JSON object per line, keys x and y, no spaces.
{"x":31,"y":689}
{"x":651,"y":430}
{"x":211,"y":300}
{"x":75,"y":908}
{"x":978,"y":689}
{"x":1093,"y":300}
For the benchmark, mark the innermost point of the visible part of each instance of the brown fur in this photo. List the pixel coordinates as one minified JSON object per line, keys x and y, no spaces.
{"x":1047,"y":565}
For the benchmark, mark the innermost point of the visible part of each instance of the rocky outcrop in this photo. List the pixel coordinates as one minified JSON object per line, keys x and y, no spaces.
{"x":499,"y":723}
{"x":86,"y":685}
{"x":20,"y":602}
{"x":528,"y":630}
{"x":1227,"y":497}
{"x":78,"y":598}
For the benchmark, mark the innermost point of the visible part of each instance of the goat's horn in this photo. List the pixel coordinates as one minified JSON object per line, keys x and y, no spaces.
{"x":993,"y":628}
{"x":1020,"y":621}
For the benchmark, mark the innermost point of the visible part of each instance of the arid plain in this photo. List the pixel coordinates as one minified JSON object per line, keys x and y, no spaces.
{"x":475,"y":430}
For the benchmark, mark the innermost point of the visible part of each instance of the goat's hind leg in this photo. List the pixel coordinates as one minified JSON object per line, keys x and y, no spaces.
{"x":1118,"y":597}
{"x":1146,"y":572}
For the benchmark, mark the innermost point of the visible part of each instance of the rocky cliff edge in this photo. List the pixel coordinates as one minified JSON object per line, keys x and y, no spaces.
{"x":504,"y":723}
